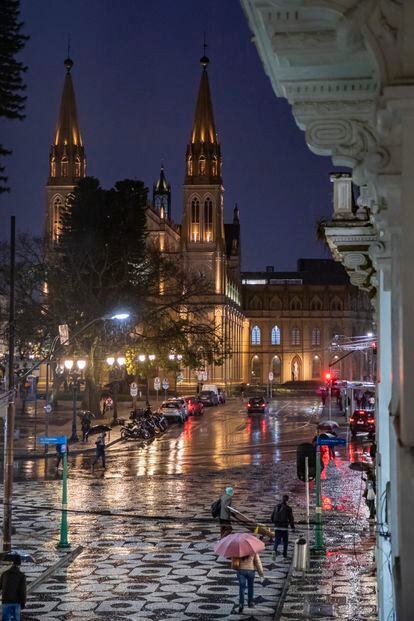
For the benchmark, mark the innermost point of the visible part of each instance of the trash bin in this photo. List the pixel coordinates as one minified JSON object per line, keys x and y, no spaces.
{"x":301,"y":555}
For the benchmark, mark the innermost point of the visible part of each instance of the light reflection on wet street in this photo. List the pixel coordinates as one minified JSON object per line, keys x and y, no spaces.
{"x":145,"y":521}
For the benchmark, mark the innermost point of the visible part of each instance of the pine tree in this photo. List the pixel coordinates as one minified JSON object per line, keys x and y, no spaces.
{"x":12,"y":101}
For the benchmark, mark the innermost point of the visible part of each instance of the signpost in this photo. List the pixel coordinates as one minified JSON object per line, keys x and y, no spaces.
{"x":157,"y":386}
{"x":165,"y":385}
{"x":271,"y":376}
{"x":133,"y":391}
{"x":180,"y":378}
{"x":62,"y":440}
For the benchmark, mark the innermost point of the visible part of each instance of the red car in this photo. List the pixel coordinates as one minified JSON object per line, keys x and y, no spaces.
{"x":194,"y":405}
{"x":362,"y":421}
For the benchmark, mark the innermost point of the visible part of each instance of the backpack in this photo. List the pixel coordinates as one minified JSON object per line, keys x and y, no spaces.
{"x":280,"y":515}
{"x":216,"y":508}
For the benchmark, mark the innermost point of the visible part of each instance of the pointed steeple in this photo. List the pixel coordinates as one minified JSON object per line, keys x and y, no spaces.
{"x":203,"y":128}
{"x":67,"y":156}
{"x":67,"y":129}
{"x":203,"y":155}
{"x":161,"y":196}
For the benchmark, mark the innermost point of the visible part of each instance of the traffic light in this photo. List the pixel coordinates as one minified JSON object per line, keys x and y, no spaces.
{"x":374,"y":347}
{"x":328,"y":376}
{"x":306,"y":450}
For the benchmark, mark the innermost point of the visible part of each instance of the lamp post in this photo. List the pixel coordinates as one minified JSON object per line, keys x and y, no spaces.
{"x":175,"y":358}
{"x":75,"y":377}
{"x":115,"y":375}
{"x":147,"y":359}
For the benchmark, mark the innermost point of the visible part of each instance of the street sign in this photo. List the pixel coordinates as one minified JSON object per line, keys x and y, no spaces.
{"x":134,"y":386}
{"x":200,"y":376}
{"x":157,"y":383}
{"x":133,"y":391}
{"x":270,"y":376}
{"x":165,"y":383}
{"x":331,"y":441}
{"x":51,"y":439}
{"x":48,"y":408}
{"x":64,"y":334}
{"x":180,"y":378}
{"x":204,"y":376}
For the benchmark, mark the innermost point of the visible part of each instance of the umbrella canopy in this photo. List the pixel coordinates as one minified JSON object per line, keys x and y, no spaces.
{"x":238,"y":545}
{"x":328,"y":424}
{"x":98,"y":429}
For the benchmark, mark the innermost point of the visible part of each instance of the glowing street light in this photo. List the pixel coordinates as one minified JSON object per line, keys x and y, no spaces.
{"x":110,"y":360}
{"x":68,"y":364}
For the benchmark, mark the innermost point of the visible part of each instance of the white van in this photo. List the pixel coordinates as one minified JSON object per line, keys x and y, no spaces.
{"x":218,"y":391}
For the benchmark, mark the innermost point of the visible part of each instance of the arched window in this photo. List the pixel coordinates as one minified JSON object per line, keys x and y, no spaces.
{"x":275,"y":336}
{"x":64,"y":167}
{"x":316,"y":367}
{"x":256,"y":370}
{"x":316,"y":304}
{"x":295,"y":336}
{"x":77,"y":167}
{"x":214,"y":167}
{"x":255,"y":303}
{"x":195,"y":220}
{"x":256,"y":336}
{"x":316,"y":336}
{"x":336,"y":304}
{"x":277,"y":369}
{"x":190,"y":166}
{"x":208,"y":220}
{"x":275,"y":303}
{"x":53,"y":167}
{"x":56,"y":217}
{"x":295,"y":304}
{"x":202,"y":165}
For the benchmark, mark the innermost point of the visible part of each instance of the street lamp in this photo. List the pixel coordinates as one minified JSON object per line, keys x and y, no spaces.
{"x":115,"y":375}
{"x":75,"y":377}
{"x":144,"y":358}
{"x":175,"y":358}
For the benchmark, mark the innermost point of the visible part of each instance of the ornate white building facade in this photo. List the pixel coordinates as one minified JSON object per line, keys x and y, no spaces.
{"x":347,"y":69}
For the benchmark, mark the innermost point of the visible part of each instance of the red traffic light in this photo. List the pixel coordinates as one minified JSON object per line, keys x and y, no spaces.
{"x":374,"y":347}
{"x":328,"y":376}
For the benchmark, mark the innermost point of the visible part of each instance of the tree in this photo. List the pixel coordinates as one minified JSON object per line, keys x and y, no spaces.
{"x":12,"y":102}
{"x":104,"y":261}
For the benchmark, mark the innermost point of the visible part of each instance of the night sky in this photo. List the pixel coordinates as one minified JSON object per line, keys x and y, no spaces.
{"x":136,"y":76}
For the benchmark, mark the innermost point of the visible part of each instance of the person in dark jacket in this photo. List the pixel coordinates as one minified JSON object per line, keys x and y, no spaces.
{"x":13,"y":591}
{"x":224,"y":518}
{"x":60,"y":451}
{"x":282,"y":518}
{"x":100,"y":450}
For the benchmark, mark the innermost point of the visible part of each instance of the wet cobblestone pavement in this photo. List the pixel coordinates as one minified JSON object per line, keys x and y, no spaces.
{"x":148,"y":535}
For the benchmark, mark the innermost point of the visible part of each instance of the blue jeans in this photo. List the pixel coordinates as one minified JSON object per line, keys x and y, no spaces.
{"x":281,"y":535}
{"x":245,"y":576}
{"x":11,"y":612}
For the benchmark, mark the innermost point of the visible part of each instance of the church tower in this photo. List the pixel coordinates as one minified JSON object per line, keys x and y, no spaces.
{"x":202,"y":232}
{"x":67,"y":163}
{"x":161,"y":196}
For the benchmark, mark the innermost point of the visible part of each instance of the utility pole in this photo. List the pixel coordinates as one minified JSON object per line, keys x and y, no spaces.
{"x":9,"y":422}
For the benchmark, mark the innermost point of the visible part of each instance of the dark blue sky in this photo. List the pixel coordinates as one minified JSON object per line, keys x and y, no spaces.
{"x":136,"y":77}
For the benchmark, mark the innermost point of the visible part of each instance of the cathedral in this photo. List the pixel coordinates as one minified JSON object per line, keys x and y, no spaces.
{"x":271,"y":322}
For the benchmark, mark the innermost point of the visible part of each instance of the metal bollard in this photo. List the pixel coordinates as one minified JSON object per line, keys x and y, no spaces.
{"x":301,"y":555}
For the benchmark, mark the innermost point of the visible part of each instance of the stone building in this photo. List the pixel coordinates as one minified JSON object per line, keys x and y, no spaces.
{"x":347,"y":69}
{"x":293,"y":318}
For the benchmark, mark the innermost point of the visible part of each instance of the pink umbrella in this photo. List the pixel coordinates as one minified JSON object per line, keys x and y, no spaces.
{"x":238,"y":545}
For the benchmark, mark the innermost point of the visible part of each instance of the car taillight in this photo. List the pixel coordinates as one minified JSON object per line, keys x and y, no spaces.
{"x":249,"y":405}
{"x":352,"y":419}
{"x":263,"y":405}
{"x":361,"y":411}
{"x":371,"y":420}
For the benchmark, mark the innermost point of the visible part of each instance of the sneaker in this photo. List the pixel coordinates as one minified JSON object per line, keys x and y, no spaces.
{"x":273,"y":555}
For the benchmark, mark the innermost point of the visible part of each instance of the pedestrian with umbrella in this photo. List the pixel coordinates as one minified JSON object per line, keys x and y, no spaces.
{"x":100,"y":450}
{"x":243,"y":549}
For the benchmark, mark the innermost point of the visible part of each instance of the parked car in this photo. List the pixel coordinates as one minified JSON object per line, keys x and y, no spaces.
{"x":256,"y":404}
{"x":218,"y":391}
{"x":172,"y":410}
{"x":194,"y":405}
{"x":208,"y":397}
{"x":183,"y":404}
{"x":362,"y":421}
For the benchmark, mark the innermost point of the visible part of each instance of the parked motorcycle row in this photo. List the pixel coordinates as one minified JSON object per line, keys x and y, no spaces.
{"x":143,"y":425}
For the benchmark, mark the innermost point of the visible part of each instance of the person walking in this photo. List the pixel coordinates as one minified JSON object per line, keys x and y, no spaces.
{"x":246,"y":569}
{"x":60,"y":451}
{"x":282,"y":518}
{"x":224,"y":517}
{"x":13,"y":591}
{"x":100,"y":450}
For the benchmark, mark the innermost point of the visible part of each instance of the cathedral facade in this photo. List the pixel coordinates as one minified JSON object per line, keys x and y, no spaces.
{"x":281,"y":323}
